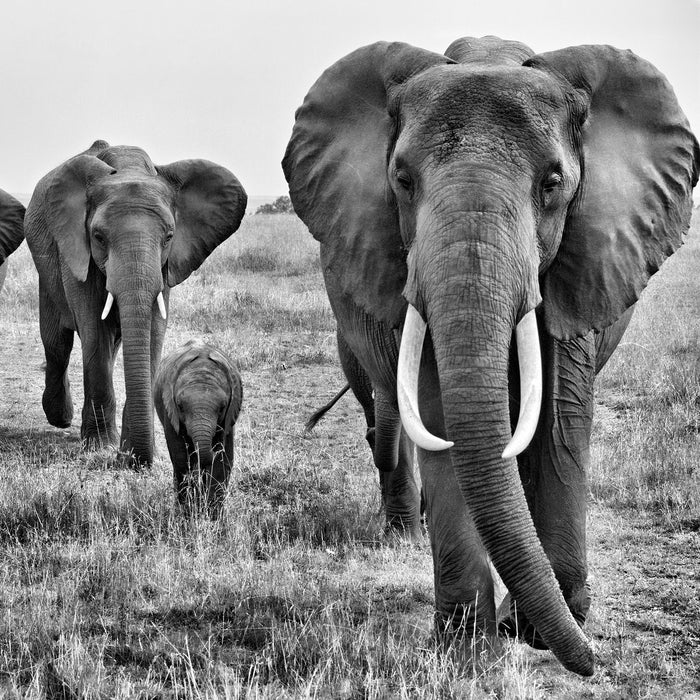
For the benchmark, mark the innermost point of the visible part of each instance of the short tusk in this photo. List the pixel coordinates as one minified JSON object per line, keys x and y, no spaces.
{"x":407,"y":383}
{"x":108,"y":305}
{"x":530,"y":362}
{"x":161,"y":306}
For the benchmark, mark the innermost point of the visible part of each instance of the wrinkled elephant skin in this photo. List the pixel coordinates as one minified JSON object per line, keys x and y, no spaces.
{"x":479,"y":186}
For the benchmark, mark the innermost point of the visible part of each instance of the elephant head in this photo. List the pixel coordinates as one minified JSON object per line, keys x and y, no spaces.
{"x":128,"y":230}
{"x":478,"y":186}
{"x":198,"y":393}
{"x":11,"y":230}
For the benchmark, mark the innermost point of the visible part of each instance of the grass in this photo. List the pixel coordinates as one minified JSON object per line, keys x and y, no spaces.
{"x":650,"y":394}
{"x":107,"y":592}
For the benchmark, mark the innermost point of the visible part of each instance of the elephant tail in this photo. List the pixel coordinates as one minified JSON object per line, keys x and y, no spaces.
{"x":317,"y":415}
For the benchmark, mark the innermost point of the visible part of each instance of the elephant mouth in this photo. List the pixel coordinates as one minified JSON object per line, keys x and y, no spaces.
{"x":530,"y":364}
{"x":110,"y":301}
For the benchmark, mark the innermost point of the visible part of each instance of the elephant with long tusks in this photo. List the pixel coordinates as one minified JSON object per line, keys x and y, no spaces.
{"x":482,"y":214}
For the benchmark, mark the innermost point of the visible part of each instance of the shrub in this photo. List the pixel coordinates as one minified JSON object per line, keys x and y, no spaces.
{"x":282,"y":205}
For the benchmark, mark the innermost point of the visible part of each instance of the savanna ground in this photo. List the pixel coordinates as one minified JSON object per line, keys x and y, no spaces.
{"x":106,"y":593}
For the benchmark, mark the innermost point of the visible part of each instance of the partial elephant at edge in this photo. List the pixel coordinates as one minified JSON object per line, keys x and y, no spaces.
{"x":11,"y":230}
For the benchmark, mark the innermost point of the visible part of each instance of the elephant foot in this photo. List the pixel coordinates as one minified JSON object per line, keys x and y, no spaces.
{"x":195,"y":506}
{"x":199,"y":497}
{"x":401,"y":530}
{"x":462,"y":631}
{"x":58,"y":409}
{"x":98,"y":429}
{"x":98,"y":439}
{"x":127,"y":459}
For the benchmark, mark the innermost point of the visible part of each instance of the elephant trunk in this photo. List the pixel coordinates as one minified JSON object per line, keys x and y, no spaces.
{"x":210,"y":464}
{"x":386,"y":435}
{"x":135,"y":313}
{"x":471,"y":314}
{"x":202,"y":434}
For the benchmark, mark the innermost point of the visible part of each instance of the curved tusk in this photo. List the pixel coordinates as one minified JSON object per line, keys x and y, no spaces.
{"x":108,"y":305}
{"x":161,"y":306}
{"x":407,"y":384}
{"x":530,"y":362}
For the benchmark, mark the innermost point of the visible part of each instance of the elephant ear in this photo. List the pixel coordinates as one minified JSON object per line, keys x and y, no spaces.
{"x":66,"y":206}
{"x":11,"y":225}
{"x":209,"y":205}
{"x":336,"y":164}
{"x":640,"y":163}
{"x":490,"y":50}
{"x":166,"y":380}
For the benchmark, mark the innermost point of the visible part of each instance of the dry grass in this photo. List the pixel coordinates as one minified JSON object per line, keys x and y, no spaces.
{"x":645,"y":454}
{"x":106,"y":593}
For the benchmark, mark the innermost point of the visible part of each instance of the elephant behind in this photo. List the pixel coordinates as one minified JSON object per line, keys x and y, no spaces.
{"x":11,"y":230}
{"x":109,"y":228}
{"x":197,"y":394}
{"x":482,"y":214}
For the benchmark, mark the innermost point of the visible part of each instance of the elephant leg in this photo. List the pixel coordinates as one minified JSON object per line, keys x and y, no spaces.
{"x":464,"y":591}
{"x":98,"y":428}
{"x":400,"y":494}
{"x":228,"y":446}
{"x":360,"y":384}
{"x":180,"y":459}
{"x":58,"y":343}
{"x":220,"y":473}
{"x":391,"y":450}
{"x":554,"y":472}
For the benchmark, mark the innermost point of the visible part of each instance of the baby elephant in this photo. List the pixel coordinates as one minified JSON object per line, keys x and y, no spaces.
{"x":197,"y":394}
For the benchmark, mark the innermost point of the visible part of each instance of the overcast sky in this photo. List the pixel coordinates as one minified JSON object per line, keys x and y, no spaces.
{"x":220,"y":79}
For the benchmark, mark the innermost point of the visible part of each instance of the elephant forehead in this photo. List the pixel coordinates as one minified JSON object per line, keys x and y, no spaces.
{"x":454,"y":97}
{"x":128,"y":190}
{"x":203,"y":378}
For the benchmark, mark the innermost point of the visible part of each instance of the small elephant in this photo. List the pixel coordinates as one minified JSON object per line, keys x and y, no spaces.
{"x":11,"y":230}
{"x":110,"y":227}
{"x":487,"y":219}
{"x":197,"y":394}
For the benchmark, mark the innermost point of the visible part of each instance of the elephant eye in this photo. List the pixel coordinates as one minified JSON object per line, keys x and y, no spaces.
{"x":98,"y":237}
{"x":550,"y":186}
{"x":168,"y":238}
{"x":404,"y":180}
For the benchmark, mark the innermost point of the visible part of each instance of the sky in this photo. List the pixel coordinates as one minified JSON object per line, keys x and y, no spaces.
{"x":221,"y":79}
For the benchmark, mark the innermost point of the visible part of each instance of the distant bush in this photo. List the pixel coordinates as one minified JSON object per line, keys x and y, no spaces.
{"x":256,"y":260}
{"x":282,"y":205}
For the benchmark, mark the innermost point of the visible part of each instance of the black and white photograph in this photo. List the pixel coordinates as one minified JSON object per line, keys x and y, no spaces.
{"x":350,"y":350}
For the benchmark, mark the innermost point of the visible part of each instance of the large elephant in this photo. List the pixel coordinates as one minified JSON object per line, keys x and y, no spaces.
{"x":11,"y":230}
{"x":462,"y":202}
{"x":197,"y":393}
{"x":108,"y":225}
